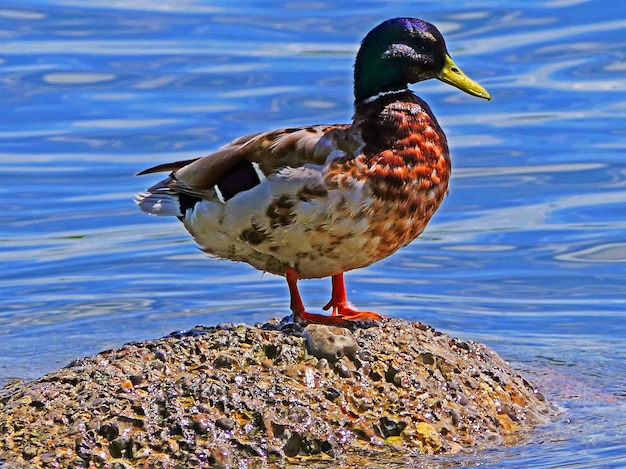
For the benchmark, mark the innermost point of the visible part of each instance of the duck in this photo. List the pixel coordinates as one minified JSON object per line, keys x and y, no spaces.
{"x":321,"y":200}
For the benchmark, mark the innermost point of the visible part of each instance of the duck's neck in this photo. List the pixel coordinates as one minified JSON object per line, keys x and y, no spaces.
{"x":372,"y":82}
{"x":373,"y":107}
{"x":383,"y":94}
{"x":389,"y":119}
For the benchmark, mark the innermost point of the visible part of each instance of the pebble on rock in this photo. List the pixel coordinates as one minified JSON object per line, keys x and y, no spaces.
{"x":330,"y":342}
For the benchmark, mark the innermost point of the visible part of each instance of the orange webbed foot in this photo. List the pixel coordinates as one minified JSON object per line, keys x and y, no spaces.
{"x":304,"y":317}
{"x":343,"y":313}
{"x":349,"y":312}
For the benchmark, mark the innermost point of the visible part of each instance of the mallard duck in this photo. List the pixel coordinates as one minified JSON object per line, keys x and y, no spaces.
{"x":321,"y":200}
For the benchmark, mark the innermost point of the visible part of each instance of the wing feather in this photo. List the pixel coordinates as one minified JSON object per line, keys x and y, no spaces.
{"x":271,"y":151}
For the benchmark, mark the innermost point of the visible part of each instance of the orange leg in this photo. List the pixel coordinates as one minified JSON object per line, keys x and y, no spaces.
{"x":342,"y":312}
{"x":342,"y":307}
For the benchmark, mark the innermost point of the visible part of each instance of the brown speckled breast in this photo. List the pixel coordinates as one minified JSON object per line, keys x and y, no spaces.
{"x":405,"y":164}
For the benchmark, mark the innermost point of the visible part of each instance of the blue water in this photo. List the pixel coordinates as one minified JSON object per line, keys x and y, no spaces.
{"x":528,"y":253}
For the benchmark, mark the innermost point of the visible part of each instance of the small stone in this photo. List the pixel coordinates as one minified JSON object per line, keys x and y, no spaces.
{"x":322,"y":364}
{"x":365,"y":404}
{"x":225,"y":423}
{"x":201,"y":423}
{"x":222,"y":457}
{"x":224,"y":361}
{"x":293,"y":445}
{"x":48,"y":458}
{"x":332,"y":394}
{"x":330,"y":342}
{"x":389,"y":427}
{"x":121,"y":465}
{"x":429,"y":435}
{"x":402,"y":379}
{"x":135,"y":379}
{"x":343,"y":370}
{"x":378,"y":370}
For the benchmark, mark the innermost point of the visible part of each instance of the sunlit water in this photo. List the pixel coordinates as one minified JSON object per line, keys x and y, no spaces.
{"x":527,"y":254}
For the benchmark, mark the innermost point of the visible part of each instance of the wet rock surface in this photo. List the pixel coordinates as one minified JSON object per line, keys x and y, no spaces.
{"x":249,"y":396}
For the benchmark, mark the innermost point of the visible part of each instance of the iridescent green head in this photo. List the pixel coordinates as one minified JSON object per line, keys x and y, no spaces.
{"x":402,"y":51}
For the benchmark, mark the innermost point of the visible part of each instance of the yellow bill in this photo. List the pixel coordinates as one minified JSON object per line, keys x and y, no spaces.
{"x":453,"y":75}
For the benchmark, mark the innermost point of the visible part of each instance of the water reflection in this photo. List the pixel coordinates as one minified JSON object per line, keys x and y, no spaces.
{"x":612,"y":252}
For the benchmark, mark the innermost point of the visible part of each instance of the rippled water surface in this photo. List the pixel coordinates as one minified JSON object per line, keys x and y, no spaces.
{"x":527,"y":254}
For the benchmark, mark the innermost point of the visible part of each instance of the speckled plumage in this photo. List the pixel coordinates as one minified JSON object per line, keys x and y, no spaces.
{"x":322,"y":200}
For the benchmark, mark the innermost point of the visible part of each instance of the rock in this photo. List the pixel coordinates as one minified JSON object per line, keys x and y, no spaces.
{"x":243,"y":396}
{"x":330,"y":342}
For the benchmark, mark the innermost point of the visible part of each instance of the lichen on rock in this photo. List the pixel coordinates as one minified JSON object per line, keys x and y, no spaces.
{"x":238,"y":395}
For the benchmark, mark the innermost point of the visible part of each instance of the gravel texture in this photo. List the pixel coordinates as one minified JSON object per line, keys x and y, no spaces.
{"x":239,"y":396}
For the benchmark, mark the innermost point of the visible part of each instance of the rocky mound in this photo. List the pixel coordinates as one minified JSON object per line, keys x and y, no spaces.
{"x":243,"y":396}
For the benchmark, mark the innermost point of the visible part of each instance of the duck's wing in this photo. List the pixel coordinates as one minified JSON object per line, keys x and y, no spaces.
{"x":244,"y":162}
